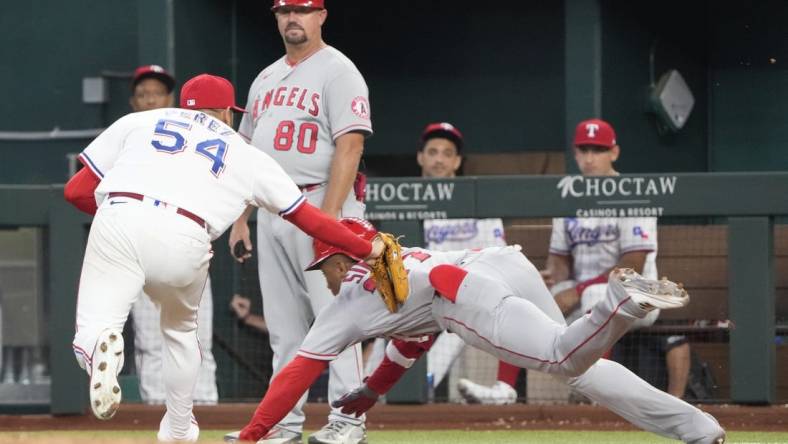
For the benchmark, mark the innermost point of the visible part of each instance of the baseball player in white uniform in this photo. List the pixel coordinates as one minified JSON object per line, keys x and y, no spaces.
{"x":309,"y":111}
{"x":152,"y":88}
{"x":495,"y":300}
{"x":163,"y":184}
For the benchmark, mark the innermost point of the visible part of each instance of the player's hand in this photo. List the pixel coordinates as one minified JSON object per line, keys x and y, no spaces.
{"x":240,"y":306}
{"x":378,"y":248}
{"x":240,"y":241}
{"x":357,"y":402}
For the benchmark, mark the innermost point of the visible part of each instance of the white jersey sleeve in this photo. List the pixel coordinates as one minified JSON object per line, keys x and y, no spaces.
{"x":104,"y":150}
{"x":638,"y":234}
{"x":559,"y":244}
{"x":347,"y":98}
{"x":273,"y":189}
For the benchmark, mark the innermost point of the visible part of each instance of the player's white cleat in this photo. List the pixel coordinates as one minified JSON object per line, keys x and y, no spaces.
{"x":500,"y":393}
{"x":648,"y":294}
{"x":339,"y":432}
{"x":107,"y":362}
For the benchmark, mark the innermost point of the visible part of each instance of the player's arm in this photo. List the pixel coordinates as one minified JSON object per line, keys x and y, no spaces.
{"x":400,"y":356}
{"x":344,"y":166}
{"x":284,"y":392}
{"x":80,"y":190}
{"x":558,"y":268}
{"x":321,"y":226}
{"x":635,"y":260}
{"x":275,"y":191}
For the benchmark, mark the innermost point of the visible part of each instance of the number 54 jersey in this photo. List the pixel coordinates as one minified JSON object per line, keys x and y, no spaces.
{"x":190,"y":160}
{"x":296,"y":112}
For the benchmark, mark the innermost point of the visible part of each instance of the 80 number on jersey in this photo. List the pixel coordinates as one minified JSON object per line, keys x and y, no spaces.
{"x":307,"y":136}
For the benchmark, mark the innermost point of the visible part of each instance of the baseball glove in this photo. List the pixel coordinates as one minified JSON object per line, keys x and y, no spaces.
{"x":390,"y":274}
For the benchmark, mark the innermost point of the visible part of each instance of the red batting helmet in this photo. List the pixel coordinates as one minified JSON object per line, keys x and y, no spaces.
{"x":323,"y":251}
{"x":314,"y":4}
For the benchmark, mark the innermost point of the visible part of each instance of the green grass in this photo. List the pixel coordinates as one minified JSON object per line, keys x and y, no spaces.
{"x":409,"y":437}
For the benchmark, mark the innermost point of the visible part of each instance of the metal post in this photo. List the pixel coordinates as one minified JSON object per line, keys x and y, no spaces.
{"x":751,"y":300}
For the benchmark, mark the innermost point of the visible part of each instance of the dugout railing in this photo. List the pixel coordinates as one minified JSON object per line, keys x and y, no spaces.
{"x":749,"y":203}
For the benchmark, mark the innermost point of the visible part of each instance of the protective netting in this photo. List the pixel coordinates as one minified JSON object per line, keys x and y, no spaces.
{"x":685,"y":350}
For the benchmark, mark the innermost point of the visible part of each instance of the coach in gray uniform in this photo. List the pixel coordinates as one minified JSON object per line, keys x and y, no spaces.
{"x":309,"y":110}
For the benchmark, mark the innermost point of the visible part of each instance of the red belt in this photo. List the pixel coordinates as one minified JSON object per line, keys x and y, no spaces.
{"x":309,"y":187}
{"x":180,"y":211}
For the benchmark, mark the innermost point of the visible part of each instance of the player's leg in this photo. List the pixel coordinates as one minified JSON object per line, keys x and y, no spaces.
{"x":615,"y":387}
{"x":206,"y":393}
{"x":148,"y":346}
{"x":374,"y":355}
{"x":442,"y":355}
{"x":346,"y":372}
{"x":181,"y":364}
{"x":175,"y":259}
{"x":110,"y":281}
{"x":285,"y":304}
{"x":488,"y":316}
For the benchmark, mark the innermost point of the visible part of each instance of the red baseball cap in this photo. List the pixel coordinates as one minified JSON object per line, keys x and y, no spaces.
{"x":595,"y":132}
{"x":445,"y":130}
{"x":362,"y":228}
{"x":153,"y":71}
{"x":314,"y":4}
{"x":209,"y":92}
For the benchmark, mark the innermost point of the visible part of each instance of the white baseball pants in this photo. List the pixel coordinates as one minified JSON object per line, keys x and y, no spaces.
{"x":149,"y":350}
{"x":134,"y":246}
{"x":529,"y":331}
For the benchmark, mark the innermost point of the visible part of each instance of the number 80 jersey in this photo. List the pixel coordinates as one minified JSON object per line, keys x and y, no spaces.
{"x":191,"y":160}
{"x":295,"y":112}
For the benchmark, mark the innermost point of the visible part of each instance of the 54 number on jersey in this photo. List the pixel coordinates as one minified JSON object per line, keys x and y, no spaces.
{"x":167,"y":139}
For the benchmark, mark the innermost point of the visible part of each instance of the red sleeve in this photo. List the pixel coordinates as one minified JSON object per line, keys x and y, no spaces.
{"x":389,"y":372}
{"x":80,"y":190}
{"x":321,"y":226}
{"x":283,"y":393}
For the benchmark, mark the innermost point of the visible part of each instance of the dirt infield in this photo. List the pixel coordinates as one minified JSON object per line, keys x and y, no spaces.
{"x":409,"y":417}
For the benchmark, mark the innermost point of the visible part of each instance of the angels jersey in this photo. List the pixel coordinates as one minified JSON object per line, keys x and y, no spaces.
{"x":597,"y":243}
{"x":337,"y":327}
{"x":190,"y":160}
{"x":296,"y":112}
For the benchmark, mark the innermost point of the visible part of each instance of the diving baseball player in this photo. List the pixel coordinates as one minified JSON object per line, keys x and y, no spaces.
{"x":495,"y":300}
{"x":163,"y":184}
{"x":310,"y":112}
